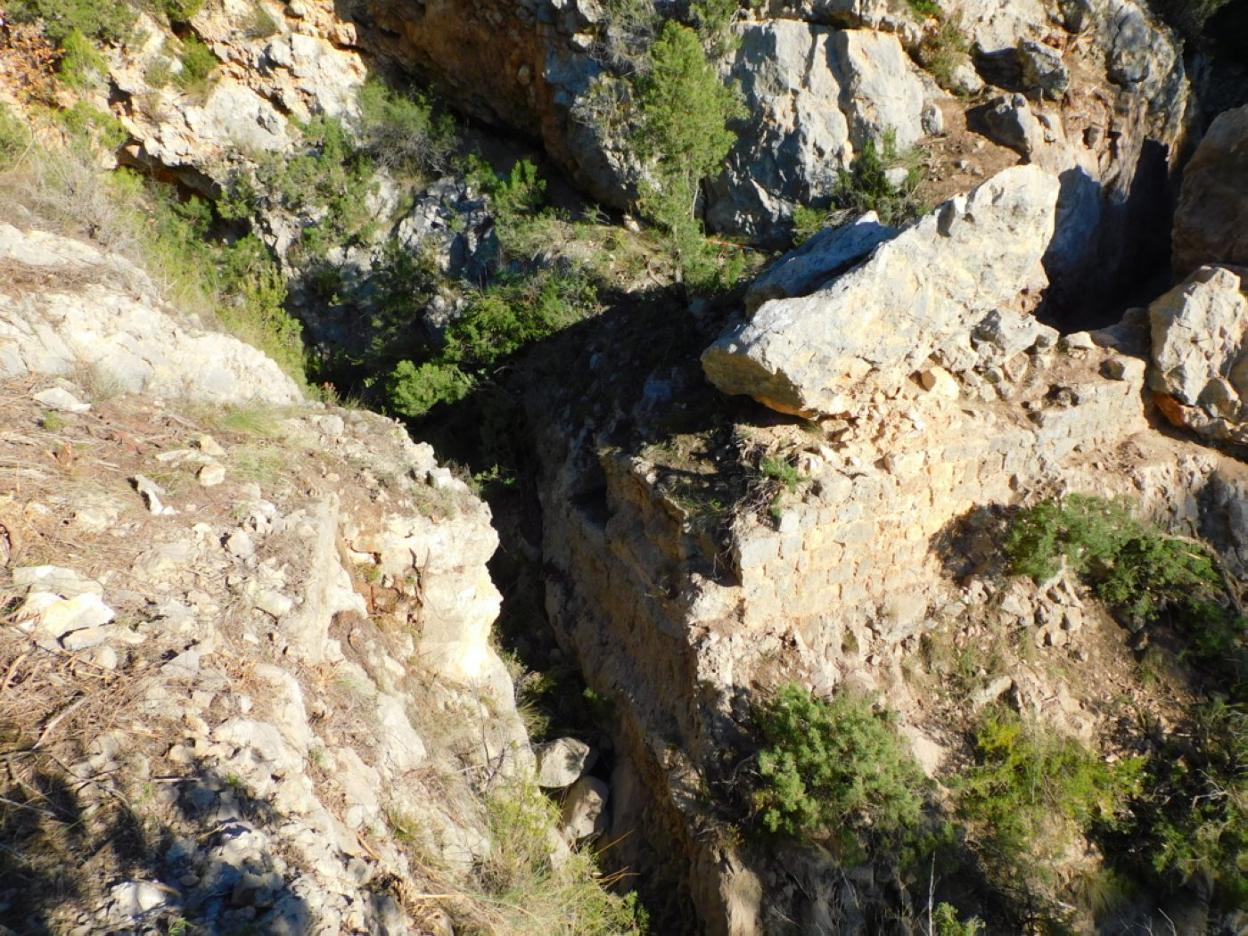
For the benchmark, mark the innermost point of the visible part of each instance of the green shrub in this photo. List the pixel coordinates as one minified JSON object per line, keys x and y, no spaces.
{"x":1134,"y":568}
{"x":498,"y":322}
{"x":330,"y":182}
{"x":180,"y":11}
{"x":85,"y":124}
{"x":81,"y":63}
{"x":946,"y":922}
{"x":832,"y":770}
{"x":925,"y":7}
{"x":865,"y":186}
{"x":103,"y":20}
{"x":15,"y":137}
{"x":1032,"y":790}
{"x":238,"y":283}
{"x":1194,"y":821}
{"x":684,"y":136}
{"x":198,"y":63}
{"x":403,"y":133}
{"x":780,"y":471}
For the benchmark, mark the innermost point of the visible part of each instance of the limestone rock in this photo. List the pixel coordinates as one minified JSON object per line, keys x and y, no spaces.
{"x":1211,"y":223}
{"x":1044,"y":72}
{"x":815,"y":97}
{"x":106,"y":316}
{"x":562,"y":761}
{"x":452,"y":226}
{"x":828,"y":253}
{"x":1008,"y":120}
{"x":918,"y":293}
{"x":58,"y":398}
{"x":584,"y":811}
{"x":1200,"y":353}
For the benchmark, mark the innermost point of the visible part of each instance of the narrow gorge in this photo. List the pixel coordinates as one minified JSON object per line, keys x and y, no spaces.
{"x":717,"y":467}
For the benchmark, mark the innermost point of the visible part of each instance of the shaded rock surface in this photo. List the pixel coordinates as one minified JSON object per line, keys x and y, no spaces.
{"x":1211,"y":222}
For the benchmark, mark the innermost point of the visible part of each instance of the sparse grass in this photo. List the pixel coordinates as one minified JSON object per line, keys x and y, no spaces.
{"x":944,"y":50}
{"x":81,"y":65}
{"x":16,"y":138}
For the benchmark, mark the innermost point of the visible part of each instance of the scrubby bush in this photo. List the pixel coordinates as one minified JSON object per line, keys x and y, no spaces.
{"x":832,"y":770}
{"x":86,"y":125}
{"x":946,"y":922}
{"x":404,"y":133}
{"x":943,"y":50}
{"x":81,"y":64}
{"x":330,"y":182}
{"x":525,"y":894}
{"x":180,"y":11}
{"x":1032,"y":790}
{"x":1133,"y":567}
{"x":1194,"y":821}
{"x":104,"y":20}
{"x":198,"y":63}
{"x":498,"y":322}
{"x":925,"y":7}
{"x":15,"y":137}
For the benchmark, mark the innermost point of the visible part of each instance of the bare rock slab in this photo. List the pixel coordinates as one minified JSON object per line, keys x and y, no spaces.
{"x":873,"y":327}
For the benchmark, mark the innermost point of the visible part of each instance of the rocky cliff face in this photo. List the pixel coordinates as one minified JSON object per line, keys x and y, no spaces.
{"x":246,"y":661}
{"x":263,"y":631}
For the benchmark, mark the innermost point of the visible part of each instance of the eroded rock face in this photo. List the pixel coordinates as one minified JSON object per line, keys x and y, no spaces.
{"x":918,"y":293}
{"x":815,"y":96}
{"x":1200,"y":354}
{"x":1211,"y":224}
{"x":108,"y":317}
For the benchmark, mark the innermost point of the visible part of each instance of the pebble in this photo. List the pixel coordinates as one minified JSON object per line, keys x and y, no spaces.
{"x":211,"y":475}
{"x":61,"y":400}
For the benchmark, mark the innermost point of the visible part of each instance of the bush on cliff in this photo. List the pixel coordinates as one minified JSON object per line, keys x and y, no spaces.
{"x":684,"y":137}
{"x":832,"y":770}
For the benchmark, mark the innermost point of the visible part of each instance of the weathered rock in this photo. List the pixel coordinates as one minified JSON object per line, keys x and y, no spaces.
{"x":815,"y":97}
{"x":561,"y":762}
{"x":1044,"y":73}
{"x":1211,"y":223}
{"x":211,"y":475}
{"x":584,"y":811}
{"x":56,"y":616}
{"x":828,"y":253}
{"x":917,"y":294}
{"x":1008,"y":120}
{"x":450,"y":226}
{"x":58,"y":398}
{"x":108,"y":318}
{"x":1200,"y":353}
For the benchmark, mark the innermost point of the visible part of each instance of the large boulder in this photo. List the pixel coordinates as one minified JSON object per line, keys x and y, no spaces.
{"x":1200,"y":354}
{"x":815,"y":97}
{"x":830,"y":252}
{"x":1211,"y":224}
{"x":922,"y":294}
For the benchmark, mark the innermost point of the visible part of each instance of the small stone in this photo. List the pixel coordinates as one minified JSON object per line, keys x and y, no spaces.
{"x":584,"y":812}
{"x":150,"y":491}
{"x":562,"y":761}
{"x":239,"y":545}
{"x":939,"y":382}
{"x":1077,"y":341}
{"x":273,"y":602}
{"x":135,"y":898}
{"x":62,"y":400}
{"x":1114,"y":369}
{"x":209,"y":446}
{"x":991,"y":692}
{"x":211,"y":475}
{"x":58,"y":616}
